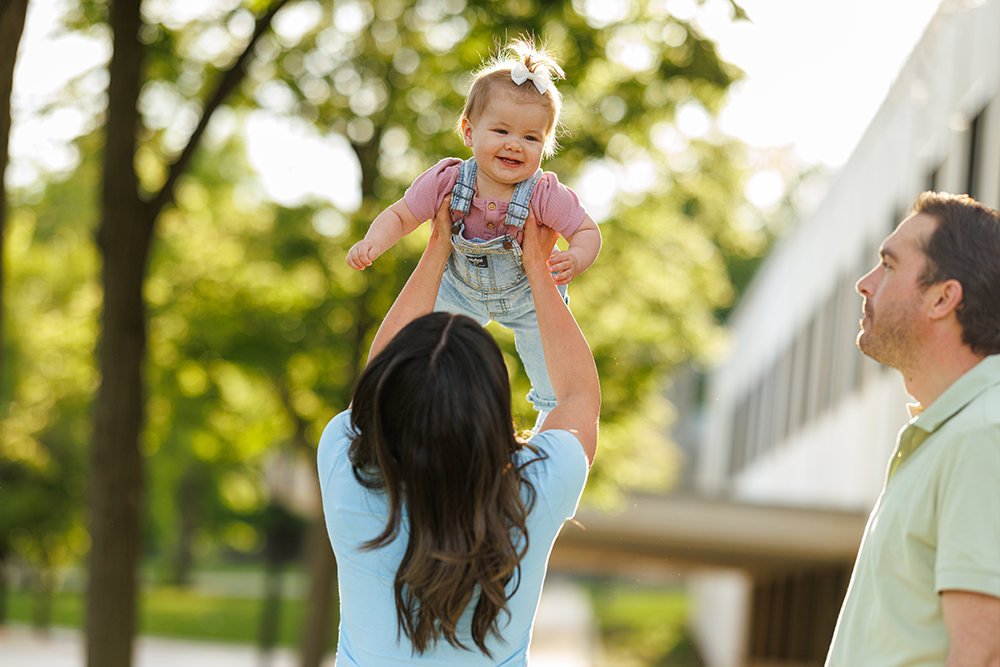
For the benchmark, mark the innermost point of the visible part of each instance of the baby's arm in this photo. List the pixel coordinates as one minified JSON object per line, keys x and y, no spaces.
{"x":584,"y":244}
{"x":388,"y":227}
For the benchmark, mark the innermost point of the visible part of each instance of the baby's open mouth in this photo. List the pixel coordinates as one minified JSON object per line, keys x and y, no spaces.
{"x":507,"y":160}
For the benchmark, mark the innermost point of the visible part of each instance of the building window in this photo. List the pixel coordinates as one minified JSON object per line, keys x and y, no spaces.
{"x":806,"y":371}
{"x":933,"y":181}
{"x":784,"y":370}
{"x":828,"y":353}
{"x":741,"y":417}
{"x":793,"y":614}
{"x":976,"y":148}
{"x":850,"y":314}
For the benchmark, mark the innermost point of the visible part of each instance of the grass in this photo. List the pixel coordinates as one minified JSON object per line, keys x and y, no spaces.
{"x":640,"y":626}
{"x":643,"y":626}
{"x":176,"y":612}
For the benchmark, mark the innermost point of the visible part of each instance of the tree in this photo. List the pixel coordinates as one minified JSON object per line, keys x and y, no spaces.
{"x":389,"y":77}
{"x":52,"y":295}
{"x":127,"y":228}
{"x":12,"y":16}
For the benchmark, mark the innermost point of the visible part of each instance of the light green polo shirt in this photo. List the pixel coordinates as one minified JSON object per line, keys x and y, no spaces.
{"x":935,"y":527}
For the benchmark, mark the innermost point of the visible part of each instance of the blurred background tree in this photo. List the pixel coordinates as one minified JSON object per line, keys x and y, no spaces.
{"x":12,"y":17}
{"x":256,"y":327}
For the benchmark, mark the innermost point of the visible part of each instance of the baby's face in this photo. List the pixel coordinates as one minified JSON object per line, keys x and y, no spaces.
{"x":507,"y":140}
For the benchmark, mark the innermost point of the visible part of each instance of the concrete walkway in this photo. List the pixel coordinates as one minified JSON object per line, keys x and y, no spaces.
{"x":22,"y":647}
{"x":565,"y":636}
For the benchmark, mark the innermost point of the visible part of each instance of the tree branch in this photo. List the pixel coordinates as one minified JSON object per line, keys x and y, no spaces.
{"x":230,"y":79}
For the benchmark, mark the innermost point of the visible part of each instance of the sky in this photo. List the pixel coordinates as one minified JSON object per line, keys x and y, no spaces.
{"x":817,"y":71}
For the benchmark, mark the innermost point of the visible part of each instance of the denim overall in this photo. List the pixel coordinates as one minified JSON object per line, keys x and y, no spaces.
{"x":486,"y":281}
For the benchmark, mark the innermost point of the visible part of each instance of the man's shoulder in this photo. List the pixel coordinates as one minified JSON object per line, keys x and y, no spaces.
{"x":981,"y":414}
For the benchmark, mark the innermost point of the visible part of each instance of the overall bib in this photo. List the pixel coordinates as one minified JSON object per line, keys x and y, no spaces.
{"x":486,"y":281}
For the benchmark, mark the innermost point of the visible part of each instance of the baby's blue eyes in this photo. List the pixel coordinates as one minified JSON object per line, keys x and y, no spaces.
{"x":529,"y":137}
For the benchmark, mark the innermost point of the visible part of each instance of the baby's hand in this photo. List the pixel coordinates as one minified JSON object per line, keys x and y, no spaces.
{"x":362,"y":254}
{"x":563,"y":266}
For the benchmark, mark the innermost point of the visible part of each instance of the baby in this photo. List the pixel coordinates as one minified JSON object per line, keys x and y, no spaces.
{"x":509,"y":121}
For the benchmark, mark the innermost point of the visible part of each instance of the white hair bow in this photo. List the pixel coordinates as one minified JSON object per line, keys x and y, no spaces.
{"x":541,"y":79}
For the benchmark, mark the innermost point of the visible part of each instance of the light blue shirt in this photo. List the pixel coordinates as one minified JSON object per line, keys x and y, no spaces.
{"x":354,"y":515}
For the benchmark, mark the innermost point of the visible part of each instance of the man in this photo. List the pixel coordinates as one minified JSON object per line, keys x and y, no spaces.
{"x":926,"y":585}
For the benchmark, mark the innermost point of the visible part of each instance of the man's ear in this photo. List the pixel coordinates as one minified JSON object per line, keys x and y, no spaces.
{"x":947,"y":297}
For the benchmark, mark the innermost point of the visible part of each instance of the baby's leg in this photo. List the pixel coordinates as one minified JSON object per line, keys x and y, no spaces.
{"x":528,"y":342}
{"x":451,"y":299}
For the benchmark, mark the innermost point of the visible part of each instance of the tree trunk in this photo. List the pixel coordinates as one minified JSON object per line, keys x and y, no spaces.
{"x":45,"y":580}
{"x":12,"y":16}
{"x":323,"y":572}
{"x":189,"y":493}
{"x":124,"y":238}
{"x":3,"y":587}
{"x":116,"y":464}
{"x":322,"y":563}
{"x":270,"y":615}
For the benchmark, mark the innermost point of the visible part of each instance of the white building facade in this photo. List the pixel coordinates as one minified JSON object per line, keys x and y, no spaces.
{"x":797,"y":416}
{"x":799,"y":425}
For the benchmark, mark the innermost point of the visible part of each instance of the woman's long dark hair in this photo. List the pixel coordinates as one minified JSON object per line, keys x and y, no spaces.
{"x":432,"y":418}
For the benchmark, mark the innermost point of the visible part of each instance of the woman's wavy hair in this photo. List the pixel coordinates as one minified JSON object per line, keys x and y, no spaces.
{"x":432,"y":414}
{"x":495,"y":77}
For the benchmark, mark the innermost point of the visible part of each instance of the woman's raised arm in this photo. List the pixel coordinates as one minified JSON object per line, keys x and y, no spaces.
{"x":568,"y":358}
{"x":420,"y":292}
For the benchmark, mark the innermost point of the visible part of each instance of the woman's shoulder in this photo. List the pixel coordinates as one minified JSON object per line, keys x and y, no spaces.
{"x":555,"y":463}
{"x":333,"y":444}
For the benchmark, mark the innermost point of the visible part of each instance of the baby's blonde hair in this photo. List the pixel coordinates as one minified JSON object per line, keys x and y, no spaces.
{"x":495,"y":77}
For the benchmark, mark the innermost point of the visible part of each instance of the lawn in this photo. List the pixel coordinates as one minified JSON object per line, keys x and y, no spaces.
{"x":643,"y":626}
{"x":169,"y":611}
{"x":640,"y":626}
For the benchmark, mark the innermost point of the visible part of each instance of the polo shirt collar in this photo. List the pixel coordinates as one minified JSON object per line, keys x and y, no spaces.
{"x":963,"y":391}
{"x":925,"y":421}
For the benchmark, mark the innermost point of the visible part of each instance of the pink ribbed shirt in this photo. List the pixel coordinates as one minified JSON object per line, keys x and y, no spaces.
{"x":553,"y":204}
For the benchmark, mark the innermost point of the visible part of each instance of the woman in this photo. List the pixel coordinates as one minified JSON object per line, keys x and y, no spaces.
{"x":442,"y":520}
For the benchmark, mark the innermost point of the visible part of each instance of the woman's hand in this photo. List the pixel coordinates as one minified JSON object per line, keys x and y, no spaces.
{"x":439,"y":243}
{"x":537,"y":244}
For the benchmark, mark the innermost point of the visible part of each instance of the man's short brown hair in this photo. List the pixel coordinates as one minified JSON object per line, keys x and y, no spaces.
{"x":965,"y":246}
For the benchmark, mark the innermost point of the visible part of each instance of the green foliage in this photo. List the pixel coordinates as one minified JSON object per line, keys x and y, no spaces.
{"x":257,"y":328}
{"x":643,"y":626}
{"x":52,"y":297}
{"x":393,"y":83}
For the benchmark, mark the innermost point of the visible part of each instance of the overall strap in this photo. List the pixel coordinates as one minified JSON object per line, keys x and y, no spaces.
{"x":520,"y":203}
{"x":462,"y":192}
{"x":464,"y":188}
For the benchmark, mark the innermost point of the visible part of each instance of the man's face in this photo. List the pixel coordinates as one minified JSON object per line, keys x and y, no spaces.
{"x":892,"y":297}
